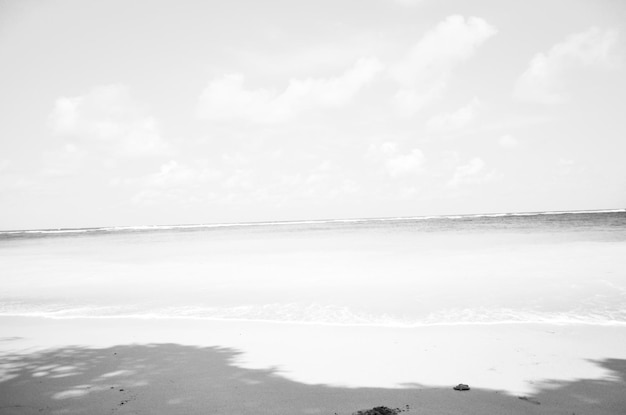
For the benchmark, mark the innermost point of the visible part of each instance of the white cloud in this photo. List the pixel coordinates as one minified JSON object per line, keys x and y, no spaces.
{"x":452,"y":41}
{"x":227,"y":98}
{"x":65,"y":114}
{"x":453,"y":121}
{"x":377,"y":152}
{"x":471,"y":172}
{"x":108,"y":115}
{"x":542,"y":81}
{"x":172,"y":174}
{"x":404,"y":164}
{"x":425,"y":70}
{"x":231,"y":178}
{"x":176,"y":182}
{"x":388,"y":148}
{"x":396,"y":164}
{"x":508,"y":141}
{"x":234,"y":178}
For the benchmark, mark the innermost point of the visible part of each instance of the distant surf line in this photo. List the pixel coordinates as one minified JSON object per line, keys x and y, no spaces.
{"x":296,"y":222}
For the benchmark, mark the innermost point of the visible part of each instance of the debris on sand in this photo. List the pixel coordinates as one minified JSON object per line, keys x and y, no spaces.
{"x":461,"y":387}
{"x":531,"y":400}
{"x":379,"y":410}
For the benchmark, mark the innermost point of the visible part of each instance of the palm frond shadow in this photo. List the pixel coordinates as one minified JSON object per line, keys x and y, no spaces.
{"x":147,"y":379}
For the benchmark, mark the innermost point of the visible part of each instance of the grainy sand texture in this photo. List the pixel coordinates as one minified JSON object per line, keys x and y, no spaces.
{"x":178,"y":366}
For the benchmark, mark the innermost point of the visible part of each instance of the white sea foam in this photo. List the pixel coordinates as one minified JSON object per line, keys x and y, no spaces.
{"x":48,"y":231}
{"x":364,"y":278}
{"x":317,"y":314}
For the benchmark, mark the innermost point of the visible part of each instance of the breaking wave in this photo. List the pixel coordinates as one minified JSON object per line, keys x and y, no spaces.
{"x":293,"y":313}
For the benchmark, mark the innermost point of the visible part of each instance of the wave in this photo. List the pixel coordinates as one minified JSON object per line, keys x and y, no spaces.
{"x":317,"y":314}
{"x":49,"y":231}
{"x":567,"y":212}
{"x":139,"y":228}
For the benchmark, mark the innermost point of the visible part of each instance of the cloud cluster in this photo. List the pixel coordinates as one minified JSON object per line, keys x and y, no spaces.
{"x":454,"y":121}
{"x":107,"y":115}
{"x":543,"y":81}
{"x":396,"y":164}
{"x":235,"y":178}
{"x":176,"y":181}
{"x":421,"y":75}
{"x":227,"y":98}
{"x":403,"y":164}
{"x":471,"y":172}
{"x":425,"y":70}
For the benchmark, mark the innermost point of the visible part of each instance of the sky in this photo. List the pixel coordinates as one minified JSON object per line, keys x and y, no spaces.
{"x":119,"y":113}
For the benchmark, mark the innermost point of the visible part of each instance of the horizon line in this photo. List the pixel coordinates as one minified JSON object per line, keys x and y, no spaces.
{"x":302,"y":221}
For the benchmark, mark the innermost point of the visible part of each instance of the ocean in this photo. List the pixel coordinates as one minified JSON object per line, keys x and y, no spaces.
{"x":545,"y":267}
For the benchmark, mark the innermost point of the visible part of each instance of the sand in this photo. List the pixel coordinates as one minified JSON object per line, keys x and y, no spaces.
{"x":185,"y":366}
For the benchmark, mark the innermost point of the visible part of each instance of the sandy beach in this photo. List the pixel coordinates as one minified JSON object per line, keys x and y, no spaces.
{"x":186,"y":366}
{"x":312,"y":207}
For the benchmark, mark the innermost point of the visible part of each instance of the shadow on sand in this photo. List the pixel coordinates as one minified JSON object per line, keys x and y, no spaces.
{"x":175,"y":379}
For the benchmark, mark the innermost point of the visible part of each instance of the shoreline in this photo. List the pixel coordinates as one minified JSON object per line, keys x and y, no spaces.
{"x":400,"y":326}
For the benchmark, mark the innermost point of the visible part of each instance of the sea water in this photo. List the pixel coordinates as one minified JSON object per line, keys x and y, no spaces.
{"x":552,"y":267}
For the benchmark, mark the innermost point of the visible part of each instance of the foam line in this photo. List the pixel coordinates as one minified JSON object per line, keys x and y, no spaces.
{"x":317,"y":314}
{"x":301,"y":222}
